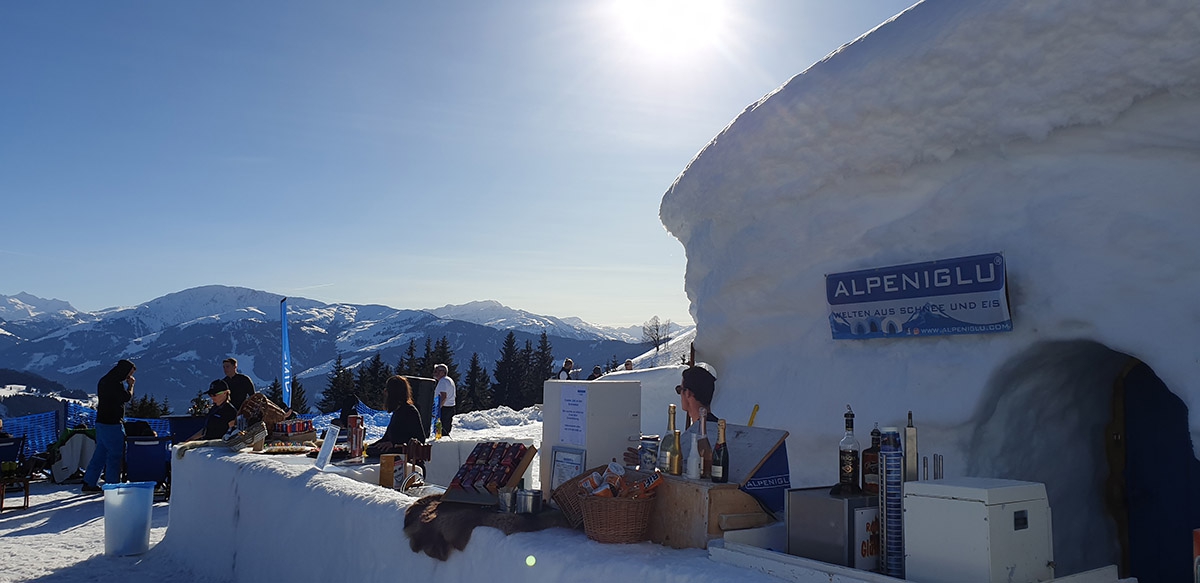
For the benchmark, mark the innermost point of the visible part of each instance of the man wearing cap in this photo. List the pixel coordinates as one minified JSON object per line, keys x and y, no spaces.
{"x":221,"y":416}
{"x":696,"y":391}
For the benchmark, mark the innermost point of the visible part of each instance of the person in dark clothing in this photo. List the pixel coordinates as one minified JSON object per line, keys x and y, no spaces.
{"x":696,"y":392}
{"x":240,"y":385}
{"x":596,"y":373}
{"x":405,"y":423}
{"x":113,"y":391}
{"x":221,"y":416}
{"x":695,"y":389}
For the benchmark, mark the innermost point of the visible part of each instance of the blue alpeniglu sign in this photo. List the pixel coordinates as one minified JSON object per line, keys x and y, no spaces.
{"x":965,"y":295}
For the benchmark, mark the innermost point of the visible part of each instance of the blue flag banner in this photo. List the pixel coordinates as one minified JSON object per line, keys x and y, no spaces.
{"x":964,"y":295}
{"x":286,"y":377}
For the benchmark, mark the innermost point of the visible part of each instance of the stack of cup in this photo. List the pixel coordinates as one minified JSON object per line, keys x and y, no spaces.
{"x":891,"y":503}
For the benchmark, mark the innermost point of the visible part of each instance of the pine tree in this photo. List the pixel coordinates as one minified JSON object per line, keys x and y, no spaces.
{"x":408,"y":362}
{"x":543,"y":361}
{"x":371,"y":382}
{"x":339,"y":389}
{"x":425,"y":365}
{"x":199,"y":405}
{"x":531,"y":383}
{"x":444,"y":355}
{"x":299,"y":399}
{"x":475,"y":391}
{"x":274,"y":392}
{"x":165,"y":408}
{"x":508,"y":372}
{"x":613,"y":364}
{"x":147,"y":407}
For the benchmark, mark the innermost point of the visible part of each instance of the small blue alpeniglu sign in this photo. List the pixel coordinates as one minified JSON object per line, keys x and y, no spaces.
{"x":965,"y":295}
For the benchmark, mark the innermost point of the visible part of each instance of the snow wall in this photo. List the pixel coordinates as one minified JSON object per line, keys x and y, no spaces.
{"x":1063,"y":134}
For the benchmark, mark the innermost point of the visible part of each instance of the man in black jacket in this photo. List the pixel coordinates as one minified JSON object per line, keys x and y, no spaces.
{"x":240,"y":385}
{"x":113,"y":391}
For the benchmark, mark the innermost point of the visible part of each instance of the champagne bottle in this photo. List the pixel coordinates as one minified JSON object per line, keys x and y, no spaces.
{"x":870,"y":464}
{"x":704,"y":447}
{"x":668,"y":445}
{"x":720,"y":466}
{"x":848,"y":468}
{"x":675,"y":461}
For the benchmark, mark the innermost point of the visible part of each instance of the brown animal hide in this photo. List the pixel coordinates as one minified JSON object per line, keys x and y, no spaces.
{"x":435,"y":527}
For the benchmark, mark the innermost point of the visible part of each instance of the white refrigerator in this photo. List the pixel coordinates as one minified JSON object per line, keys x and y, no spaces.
{"x":586,"y":424}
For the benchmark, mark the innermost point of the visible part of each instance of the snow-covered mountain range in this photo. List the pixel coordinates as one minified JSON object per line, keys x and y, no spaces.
{"x":496,"y":315}
{"x":179,"y":340}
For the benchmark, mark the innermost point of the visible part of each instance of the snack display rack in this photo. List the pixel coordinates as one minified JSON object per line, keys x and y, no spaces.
{"x":489,"y":467}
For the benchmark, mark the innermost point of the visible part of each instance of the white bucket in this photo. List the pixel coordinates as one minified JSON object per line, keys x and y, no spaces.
{"x":127,"y":511}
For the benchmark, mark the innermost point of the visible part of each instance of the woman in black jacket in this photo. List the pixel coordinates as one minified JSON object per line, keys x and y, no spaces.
{"x":113,"y":391}
{"x":406,"y":420}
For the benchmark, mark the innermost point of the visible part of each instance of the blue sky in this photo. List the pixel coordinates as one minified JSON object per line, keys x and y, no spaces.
{"x":412,"y":154}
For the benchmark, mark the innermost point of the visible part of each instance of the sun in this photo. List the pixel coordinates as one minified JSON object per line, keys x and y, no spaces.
{"x":671,"y":28}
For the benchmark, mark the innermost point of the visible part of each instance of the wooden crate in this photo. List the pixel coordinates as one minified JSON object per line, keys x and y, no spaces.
{"x":689,"y":512}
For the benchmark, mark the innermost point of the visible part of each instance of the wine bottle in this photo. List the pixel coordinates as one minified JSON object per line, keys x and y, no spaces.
{"x":668,"y":445}
{"x":703,"y":446}
{"x":720,"y":465}
{"x":693,"y":464}
{"x":848,"y":469}
{"x":870,"y":464}
{"x":675,"y":459}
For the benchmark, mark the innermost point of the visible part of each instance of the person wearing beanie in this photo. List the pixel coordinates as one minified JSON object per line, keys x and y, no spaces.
{"x":113,"y":390}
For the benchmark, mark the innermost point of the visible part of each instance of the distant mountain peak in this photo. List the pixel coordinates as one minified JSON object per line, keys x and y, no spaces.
{"x":25,"y":306}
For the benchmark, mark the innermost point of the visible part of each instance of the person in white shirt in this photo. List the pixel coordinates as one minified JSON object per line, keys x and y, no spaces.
{"x":445,"y":389}
{"x":564,"y":374}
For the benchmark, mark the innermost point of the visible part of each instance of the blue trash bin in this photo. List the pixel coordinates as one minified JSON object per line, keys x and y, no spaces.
{"x":127,"y":511}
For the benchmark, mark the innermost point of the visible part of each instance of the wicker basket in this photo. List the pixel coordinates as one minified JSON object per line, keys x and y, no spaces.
{"x":566,"y":497}
{"x":616,"y":520}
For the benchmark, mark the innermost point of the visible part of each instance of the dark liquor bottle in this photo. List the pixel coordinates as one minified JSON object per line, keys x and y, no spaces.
{"x":720,"y":464}
{"x":848,"y":469}
{"x":870,"y":464}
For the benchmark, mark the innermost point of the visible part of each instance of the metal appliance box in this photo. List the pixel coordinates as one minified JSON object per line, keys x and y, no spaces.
{"x":842,"y":530}
{"x":971,"y":530}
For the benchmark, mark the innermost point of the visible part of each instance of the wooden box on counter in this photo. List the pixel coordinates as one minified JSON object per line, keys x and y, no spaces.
{"x":689,"y":513}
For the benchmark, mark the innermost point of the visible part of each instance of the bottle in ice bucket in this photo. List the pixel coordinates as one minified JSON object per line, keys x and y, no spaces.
{"x":720,"y":465}
{"x":848,"y":460}
{"x":669,"y":446}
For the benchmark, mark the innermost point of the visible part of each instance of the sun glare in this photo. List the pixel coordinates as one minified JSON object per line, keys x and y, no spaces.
{"x":671,"y":28}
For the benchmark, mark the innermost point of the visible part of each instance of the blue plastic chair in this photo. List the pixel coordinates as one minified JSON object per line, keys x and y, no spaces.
{"x":148,"y":459}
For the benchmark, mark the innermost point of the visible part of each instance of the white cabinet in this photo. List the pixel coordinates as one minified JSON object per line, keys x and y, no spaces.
{"x":974,"y":530}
